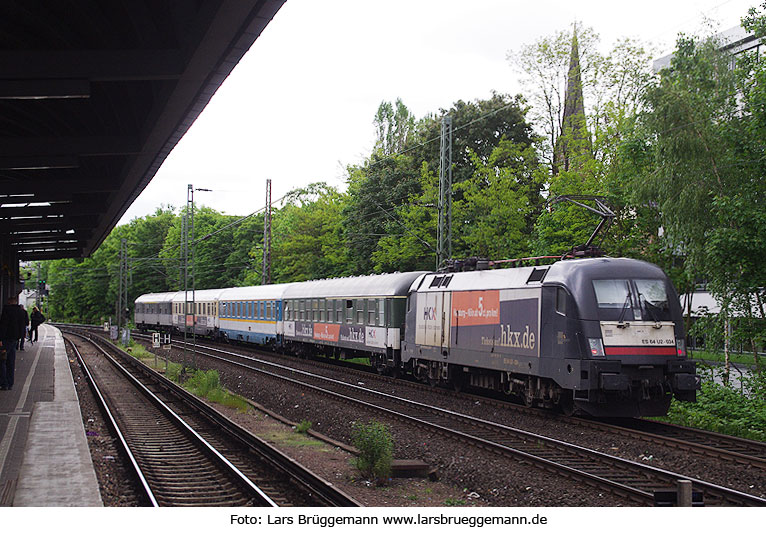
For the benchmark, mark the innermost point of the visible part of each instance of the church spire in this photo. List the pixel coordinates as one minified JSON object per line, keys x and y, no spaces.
{"x":574,"y":138}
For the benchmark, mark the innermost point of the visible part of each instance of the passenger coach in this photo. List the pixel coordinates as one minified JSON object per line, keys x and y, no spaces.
{"x":154,"y":311}
{"x":252,"y":314}
{"x":349,"y":316}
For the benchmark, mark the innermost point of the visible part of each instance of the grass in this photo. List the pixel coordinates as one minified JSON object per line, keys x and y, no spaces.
{"x":138,"y":351}
{"x":206,"y":384}
{"x":294,"y":439}
{"x":743,"y":358}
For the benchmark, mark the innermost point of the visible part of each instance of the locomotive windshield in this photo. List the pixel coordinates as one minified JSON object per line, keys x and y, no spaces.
{"x":638,"y":299}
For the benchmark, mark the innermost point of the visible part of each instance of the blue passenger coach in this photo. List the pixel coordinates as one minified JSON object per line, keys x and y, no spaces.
{"x":252,"y":314}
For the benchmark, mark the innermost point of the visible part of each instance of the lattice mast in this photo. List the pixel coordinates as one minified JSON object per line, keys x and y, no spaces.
{"x":444,"y":230}
{"x":266,"y":274}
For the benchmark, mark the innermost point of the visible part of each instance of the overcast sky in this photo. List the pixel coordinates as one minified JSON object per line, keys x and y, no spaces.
{"x":299,"y":106}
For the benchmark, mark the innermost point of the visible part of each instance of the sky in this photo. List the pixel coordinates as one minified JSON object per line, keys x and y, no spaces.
{"x":299,"y":107}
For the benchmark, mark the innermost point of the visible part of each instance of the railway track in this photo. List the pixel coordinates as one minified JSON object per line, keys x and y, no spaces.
{"x":187,"y":454}
{"x":636,"y":482}
{"x":731,"y":449}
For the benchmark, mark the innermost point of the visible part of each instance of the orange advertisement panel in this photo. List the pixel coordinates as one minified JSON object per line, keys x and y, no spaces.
{"x":475,"y":308}
{"x":326,"y":332}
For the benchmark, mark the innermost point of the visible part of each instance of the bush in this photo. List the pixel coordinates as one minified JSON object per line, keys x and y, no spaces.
{"x":303,"y":427}
{"x":725,"y":409}
{"x":376,"y":449}
{"x":174,"y":372}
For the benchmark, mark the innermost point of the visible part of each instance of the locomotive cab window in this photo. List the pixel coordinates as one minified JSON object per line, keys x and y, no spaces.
{"x":652,"y":292}
{"x":612,"y":293}
{"x":561,"y":301}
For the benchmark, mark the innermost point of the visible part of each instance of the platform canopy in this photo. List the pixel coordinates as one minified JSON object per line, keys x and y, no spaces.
{"x":94,"y":94}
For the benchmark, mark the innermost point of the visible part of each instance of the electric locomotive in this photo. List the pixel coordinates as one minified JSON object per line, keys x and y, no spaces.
{"x":601,"y":336}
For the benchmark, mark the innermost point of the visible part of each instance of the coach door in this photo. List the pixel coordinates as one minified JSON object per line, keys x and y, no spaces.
{"x":433,"y":320}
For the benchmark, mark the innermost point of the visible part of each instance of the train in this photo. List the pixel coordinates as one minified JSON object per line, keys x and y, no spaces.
{"x":598,"y":336}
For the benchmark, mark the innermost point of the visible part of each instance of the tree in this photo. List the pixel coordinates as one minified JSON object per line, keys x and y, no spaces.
{"x":478,"y":128}
{"x":702,"y":125}
{"x":409,"y":241}
{"x":375,"y":191}
{"x":394,"y":126}
{"x":309,"y":242}
{"x":546,"y":64}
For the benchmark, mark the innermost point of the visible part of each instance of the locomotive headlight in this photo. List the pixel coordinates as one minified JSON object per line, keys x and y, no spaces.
{"x":596,"y":347}
{"x":681,"y":347}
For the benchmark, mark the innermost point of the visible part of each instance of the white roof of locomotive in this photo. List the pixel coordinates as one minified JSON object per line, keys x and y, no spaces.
{"x":361,"y":286}
{"x":505,"y":278}
{"x":255,"y":292}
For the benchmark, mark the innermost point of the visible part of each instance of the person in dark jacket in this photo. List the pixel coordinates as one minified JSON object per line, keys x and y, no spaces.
{"x":11,"y":330}
{"x":36,"y":319}
{"x":26,"y":329}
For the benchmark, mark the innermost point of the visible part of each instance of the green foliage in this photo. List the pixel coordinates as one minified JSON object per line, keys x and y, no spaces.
{"x":206,"y":384}
{"x":394,"y":125}
{"x":138,"y":351}
{"x":375,"y":445}
{"x":303,"y":427}
{"x":725,"y":409}
{"x":308,"y":235}
{"x":174,"y":371}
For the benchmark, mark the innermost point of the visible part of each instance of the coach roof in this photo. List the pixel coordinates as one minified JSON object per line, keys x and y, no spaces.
{"x":255,"y":292}
{"x":395,"y":284}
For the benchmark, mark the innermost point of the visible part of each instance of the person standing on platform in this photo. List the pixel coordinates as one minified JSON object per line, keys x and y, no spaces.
{"x":11,"y":330}
{"x":37,"y":318}
{"x":26,"y":329}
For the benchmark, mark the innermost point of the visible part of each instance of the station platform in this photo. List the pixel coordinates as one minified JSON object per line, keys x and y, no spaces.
{"x":44,"y":455}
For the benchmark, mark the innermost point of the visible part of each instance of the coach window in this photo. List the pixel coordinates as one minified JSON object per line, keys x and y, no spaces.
{"x":382,"y":312}
{"x":339,"y":311}
{"x":359,"y":304}
{"x":322,"y":310}
{"x":371,"y":312}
